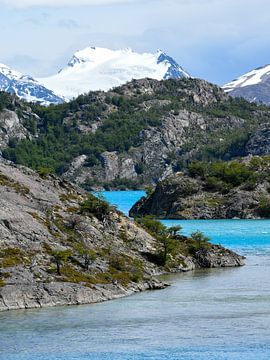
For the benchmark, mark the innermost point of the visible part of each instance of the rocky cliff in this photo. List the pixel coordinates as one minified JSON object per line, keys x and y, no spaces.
{"x":212,"y":191}
{"x":61,"y":246}
{"x":16,"y":121}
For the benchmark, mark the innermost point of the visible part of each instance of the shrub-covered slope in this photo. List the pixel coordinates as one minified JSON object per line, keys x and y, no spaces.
{"x":133,"y":135}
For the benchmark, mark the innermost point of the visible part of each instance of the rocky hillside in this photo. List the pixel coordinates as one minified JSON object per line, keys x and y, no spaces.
{"x":59,"y":245}
{"x":212,"y":191}
{"x":138,"y":133}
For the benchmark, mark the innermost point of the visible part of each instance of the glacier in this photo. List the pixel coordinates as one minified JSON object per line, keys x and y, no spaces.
{"x":95,"y":68}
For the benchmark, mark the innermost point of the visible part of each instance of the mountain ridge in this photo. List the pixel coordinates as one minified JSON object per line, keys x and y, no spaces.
{"x":134,"y":135}
{"x":26,"y":87}
{"x":253,"y":86}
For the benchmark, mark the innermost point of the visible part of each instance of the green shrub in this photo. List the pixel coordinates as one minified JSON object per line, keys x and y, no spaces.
{"x":264,"y":207}
{"x":198,"y":241}
{"x":44,"y":171}
{"x":96,"y":207}
{"x":88,"y":255}
{"x":149,"y":223}
{"x":214,"y":184}
{"x":197,"y":168}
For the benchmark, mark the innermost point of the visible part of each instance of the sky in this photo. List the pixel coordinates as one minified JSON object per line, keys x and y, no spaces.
{"x":217,"y":40}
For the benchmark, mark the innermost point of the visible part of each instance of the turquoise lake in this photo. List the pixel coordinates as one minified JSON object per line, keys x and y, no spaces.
{"x":221,"y":314}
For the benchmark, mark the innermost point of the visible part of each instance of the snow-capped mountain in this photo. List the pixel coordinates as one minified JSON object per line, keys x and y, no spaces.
{"x":253,"y":86}
{"x":25,"y":87}
{"x":102,"y":69}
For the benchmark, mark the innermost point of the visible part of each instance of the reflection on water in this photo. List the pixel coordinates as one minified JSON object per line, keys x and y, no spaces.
{"x":221,"y":314}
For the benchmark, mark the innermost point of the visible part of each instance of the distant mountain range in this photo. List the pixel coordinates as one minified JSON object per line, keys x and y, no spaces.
{"x":26,"y":88}
{"x":90,"y":69}
{"x":95,"y":68}
{"x":254,"y":86}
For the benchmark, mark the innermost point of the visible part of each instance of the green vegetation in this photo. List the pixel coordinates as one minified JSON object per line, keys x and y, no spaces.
{"x":60,"y":141}
{"x":88,"y":255}
{"x":95,"y":206}
{"x":264,"y":207}
{"x":125,"y":269}
{"x":11,"y":257}
{"x":60,"y":257}
{"x":172,"y":243}
{"x":6,"y":101}
{"x":198,"y":241}
{"x":223,"y":176}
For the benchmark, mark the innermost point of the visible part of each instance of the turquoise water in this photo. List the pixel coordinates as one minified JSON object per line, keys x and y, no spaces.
{"x":219,"y":314}
{"x":249,"y":234}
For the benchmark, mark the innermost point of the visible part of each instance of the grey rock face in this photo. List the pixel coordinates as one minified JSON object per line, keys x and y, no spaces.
{"x":182,"y":197}
{"x":110,"y":163}
{"x":11,"y":128}
{"x":259,"y":143}
{"x":157,"y":144}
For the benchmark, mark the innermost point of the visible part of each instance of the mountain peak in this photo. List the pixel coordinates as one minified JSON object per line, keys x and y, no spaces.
{"x":99,"y":68}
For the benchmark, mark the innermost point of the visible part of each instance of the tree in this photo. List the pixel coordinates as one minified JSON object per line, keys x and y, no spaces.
{"x":174,"y":230}
{"x":60,"y":257}
{"x":88,"y":255}
{"x":201,"y":239}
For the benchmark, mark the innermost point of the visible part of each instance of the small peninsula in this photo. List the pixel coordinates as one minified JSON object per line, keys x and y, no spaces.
{"x":60,"y":245}
{"x":218,"y":190}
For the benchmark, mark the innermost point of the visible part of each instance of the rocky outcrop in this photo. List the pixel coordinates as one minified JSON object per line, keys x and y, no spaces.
{"x":11,"y":128}
{"x":217,"y":257}
{"x":38,"y":295}
{"x":112,"y":167}
{"x":259,"y":142}
{"x":179,"y":196}
{"x":60,"y":246}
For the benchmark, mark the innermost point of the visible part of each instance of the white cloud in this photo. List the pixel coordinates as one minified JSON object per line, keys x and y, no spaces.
{"x":59,"y":3}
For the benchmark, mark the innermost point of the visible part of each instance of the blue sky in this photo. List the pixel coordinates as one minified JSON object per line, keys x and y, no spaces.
{"x":217,"y":40}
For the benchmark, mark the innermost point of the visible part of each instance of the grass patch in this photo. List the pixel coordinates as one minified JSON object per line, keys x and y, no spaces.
{"x":11,"y":257}
{"x":19,"y":188}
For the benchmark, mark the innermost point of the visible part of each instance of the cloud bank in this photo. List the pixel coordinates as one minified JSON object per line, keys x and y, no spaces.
{"x":60,"y":3}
